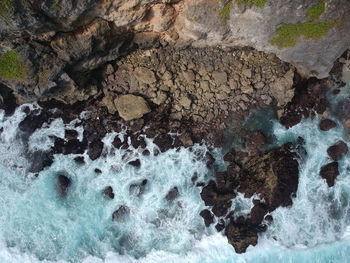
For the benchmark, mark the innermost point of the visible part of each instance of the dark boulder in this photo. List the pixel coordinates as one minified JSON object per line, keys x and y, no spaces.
{"x":98,"y":171}
{"x":337,"y":150}
{"x":164,"y":142}
{"x":330,"y":172}
{"x":327,"y":124}
{"x":108,"y":192}
{"x":136,"y":163}
{"x":221,"y":208}
{"x":95,"y":149}
{"x":172,"y":194}
{"x":79,"y":160}
{"x":63,"y":183}
{"x":207,"y":217}
{"x":120,"y":213}
{"x":70,"y":147}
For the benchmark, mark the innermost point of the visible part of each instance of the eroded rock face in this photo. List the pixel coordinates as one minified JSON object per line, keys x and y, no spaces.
{"x":337,"y":150}
{"x":131,"y":107}
{"x":330,"y":172}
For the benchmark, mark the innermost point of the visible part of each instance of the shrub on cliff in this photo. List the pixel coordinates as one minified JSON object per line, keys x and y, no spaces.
{"x":11,"y":67}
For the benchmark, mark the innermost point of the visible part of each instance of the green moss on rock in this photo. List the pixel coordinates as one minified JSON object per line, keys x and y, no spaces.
{"x":250,"y":3}
{"x":11,"y":67}
{"x":316,"y":11}
{"x":289,"y":35}
{"x":225,"y":11}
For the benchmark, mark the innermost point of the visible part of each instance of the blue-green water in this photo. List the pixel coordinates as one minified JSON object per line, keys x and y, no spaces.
{"x":38,"y":226}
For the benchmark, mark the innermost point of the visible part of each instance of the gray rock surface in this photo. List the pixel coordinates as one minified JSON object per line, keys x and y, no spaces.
{"x":131,"y":107}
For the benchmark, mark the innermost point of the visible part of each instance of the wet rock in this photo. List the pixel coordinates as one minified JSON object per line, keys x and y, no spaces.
{"x":33,"y":121}
{"x":220,"y":226}
{"x":108,"y":192}
{"x":210,"y":159}
{"x":268,"y":218}
{"x":120,"y":213}
{"x":221,"y":208}
{"x":79,"y":160}
{"x":172,"y":194}
{"x":39,"y":160}
{"x":146,"y":152}
{"x":63,"y":183}
{"x":330,"y":172}
{"x":119,"y":144}
{"x":186,"y":139}
{"x":241,"y":236}
{"x":131,"y":107}
{"x":327,"y":124}
{"x":274,"y":175}
{"x":71,"y":147}
{"x":98,"y":171}
{"x":70,"y":134}
{"x":230,"y":156}
{"x":164,"y":142}
{"x":337,"y":150}
{"x":138,"y":188}
{"x":257,"y":214}
{"x":95,"y":149}
{"x":207,"y":217}
{"x":212,"y":196}
{"x":138,"y":141}
{"x":136,"y":163}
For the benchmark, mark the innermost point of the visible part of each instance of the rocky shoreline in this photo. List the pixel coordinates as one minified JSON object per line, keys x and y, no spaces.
{"x":179,"y":98}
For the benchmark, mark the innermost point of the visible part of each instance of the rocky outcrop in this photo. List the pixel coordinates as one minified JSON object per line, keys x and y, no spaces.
{"x":272,"y":175}
{"x":330,"y":172}
{"x":337,"y":150}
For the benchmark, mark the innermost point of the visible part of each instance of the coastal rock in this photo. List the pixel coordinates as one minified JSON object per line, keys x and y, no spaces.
{"x":136,"y":163}
{"x":327,"y":124}
{"x":108,"y":192}
{"x":172,"y":194}
{"x":330,"y":172}
{"x":241,"y":236}
{"x":63,"y":184}
{"x":144,"y":75}
{"x":337,"y":150}
{"x":95,"y":149}
{"x":120,"y":213}
{"x":138,"y":189}
{"x":131,"y":107}
{"x":207,"y":217}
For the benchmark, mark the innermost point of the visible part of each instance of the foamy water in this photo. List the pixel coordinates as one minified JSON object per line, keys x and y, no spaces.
{"x":38,"y":226}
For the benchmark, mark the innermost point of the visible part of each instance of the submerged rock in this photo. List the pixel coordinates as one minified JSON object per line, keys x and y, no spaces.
{"x":172,"y":194}
{"x":63,"y":183}
{"x":138,"y":189}
{"x":79,"y":160}
{"x":120,"y":213}
{"x":337,"y":150}
{"x":330,"y":172}
{"x":136,"y":163}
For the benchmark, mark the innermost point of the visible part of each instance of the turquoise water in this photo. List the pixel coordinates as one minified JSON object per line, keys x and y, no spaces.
{"x":38,"y":226}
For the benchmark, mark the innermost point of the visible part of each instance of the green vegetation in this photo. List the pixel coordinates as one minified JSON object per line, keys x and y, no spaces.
{"x":225,"y":11}
{"x":316,"y":11}
{"x":6,"y":8}
{"x":250,"y":3}
{"x":11,"y":67}
{"x":289,"y":35}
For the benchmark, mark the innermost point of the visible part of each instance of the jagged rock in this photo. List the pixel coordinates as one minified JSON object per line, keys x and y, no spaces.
{"x":207,"y":217}
{"x":241,"y":236}
{"x":164,"y":142}
{"x":138,"y":188}
{"x":120,"y":213}
{"x":63,"y":183}
{"x":108,"y":192}
{"x":330,"y":172}
{"x":98,"y":171}
{"x":327,"y":124}
{"x":282,"y":89}
{"x":337,"y":150}
{"x":95,"y":149}
{"x":131,"y":107}
{"x":220,"y":226}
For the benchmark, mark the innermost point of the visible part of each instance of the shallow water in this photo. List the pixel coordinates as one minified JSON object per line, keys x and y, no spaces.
{"x":37,"y":225}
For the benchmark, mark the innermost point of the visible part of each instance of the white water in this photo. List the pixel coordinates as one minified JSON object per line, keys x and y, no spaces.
{"x":38,"y":226}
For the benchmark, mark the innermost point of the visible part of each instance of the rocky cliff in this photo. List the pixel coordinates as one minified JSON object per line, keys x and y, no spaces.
{"x":61,"y":43}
